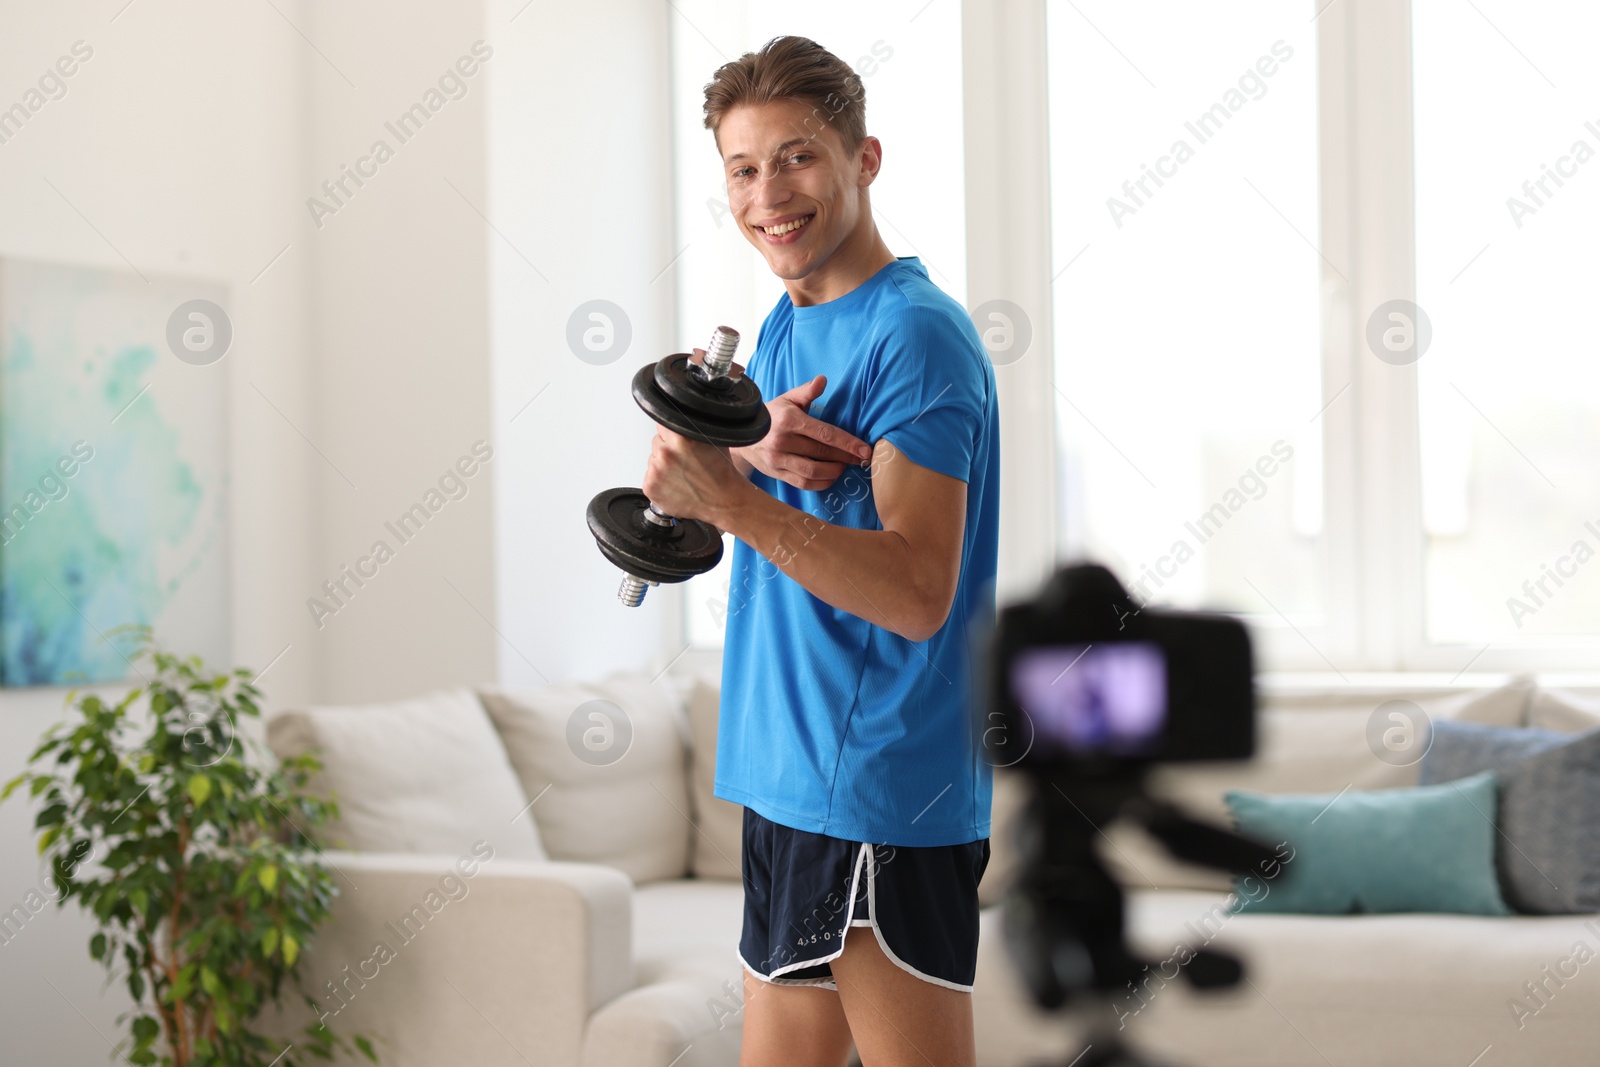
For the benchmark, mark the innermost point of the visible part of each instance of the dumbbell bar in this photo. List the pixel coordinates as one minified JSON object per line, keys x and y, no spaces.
{"x":702,"y":402}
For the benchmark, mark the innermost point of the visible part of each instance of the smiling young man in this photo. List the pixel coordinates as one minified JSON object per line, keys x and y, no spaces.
{"x":864,"y":564}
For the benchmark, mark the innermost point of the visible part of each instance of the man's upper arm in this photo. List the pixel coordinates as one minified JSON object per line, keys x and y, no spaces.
{"x":928,"y":511}
{"x":924,"y":414}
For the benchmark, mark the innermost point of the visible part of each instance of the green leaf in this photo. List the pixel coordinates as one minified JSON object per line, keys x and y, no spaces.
{"x":97,"y":947}
{"x":268,"y":877}
{"x":11,"y":785}
{"x":366,"y":1048}
{"x":211,"y":983}
{"x":185,"y":983}
{"x":146,"y":1029}
{"x":291,"y":949}
{"x":199,"y":789}
{"x":269,"y":942}
{"x":47,"y":837}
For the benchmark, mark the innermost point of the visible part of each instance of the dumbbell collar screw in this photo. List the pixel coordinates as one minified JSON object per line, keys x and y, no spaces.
{"x":719,"y":352}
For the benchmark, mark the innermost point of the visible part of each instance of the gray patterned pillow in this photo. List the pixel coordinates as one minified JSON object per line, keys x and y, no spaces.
{"x":1548,"y":848}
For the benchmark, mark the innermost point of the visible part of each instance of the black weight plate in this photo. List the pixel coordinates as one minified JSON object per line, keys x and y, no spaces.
{"x":727,"y":399}
{"x":645,"y":550}
{"x":696,"y":425}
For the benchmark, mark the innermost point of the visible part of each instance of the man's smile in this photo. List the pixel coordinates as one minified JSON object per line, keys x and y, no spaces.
{"x":784,"y":230}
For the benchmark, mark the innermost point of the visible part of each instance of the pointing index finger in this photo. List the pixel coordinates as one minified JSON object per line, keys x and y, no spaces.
{"x":825,"y":433}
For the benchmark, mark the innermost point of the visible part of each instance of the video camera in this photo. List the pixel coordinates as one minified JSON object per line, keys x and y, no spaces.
{"x":1085,"y":693}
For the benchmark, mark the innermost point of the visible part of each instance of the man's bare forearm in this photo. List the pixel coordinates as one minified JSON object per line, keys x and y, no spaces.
{"x":869,"y":573}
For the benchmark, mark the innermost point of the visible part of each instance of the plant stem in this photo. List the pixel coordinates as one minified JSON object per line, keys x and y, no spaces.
{"x":180,"y":1048}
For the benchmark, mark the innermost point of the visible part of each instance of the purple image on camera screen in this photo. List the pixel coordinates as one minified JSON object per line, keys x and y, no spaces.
{"x":1108,"y":698}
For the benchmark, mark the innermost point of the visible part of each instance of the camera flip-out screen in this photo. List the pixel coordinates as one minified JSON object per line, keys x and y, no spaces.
{"x":1089,"y":699}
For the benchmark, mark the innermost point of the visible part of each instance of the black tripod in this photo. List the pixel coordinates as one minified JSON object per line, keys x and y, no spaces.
{"x":1065,"y":919}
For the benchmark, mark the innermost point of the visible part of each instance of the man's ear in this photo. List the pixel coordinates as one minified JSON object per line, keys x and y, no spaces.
{"x":871,"y":157}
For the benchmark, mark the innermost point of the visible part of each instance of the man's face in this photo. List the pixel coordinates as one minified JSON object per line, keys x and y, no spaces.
{"x":795,"y":189}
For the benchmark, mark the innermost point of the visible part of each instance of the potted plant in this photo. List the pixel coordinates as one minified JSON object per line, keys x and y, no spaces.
{"x":195,"y":862}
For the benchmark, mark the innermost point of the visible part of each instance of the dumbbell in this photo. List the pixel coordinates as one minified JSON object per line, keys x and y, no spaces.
{"x":703,"y":402}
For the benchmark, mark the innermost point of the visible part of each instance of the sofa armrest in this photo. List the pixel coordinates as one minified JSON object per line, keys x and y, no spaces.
{"x":502,"y":967}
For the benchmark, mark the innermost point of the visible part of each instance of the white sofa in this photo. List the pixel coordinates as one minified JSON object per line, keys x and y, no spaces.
{"x":604,"y":929}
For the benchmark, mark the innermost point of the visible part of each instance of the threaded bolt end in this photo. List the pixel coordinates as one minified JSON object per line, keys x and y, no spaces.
{"x":632,"y":592}
{"x":719,"y":351}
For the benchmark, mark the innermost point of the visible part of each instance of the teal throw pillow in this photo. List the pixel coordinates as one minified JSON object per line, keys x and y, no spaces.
{"x":1425,"y":848}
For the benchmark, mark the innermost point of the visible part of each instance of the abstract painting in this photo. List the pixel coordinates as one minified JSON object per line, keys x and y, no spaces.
{"x":113,"y":471}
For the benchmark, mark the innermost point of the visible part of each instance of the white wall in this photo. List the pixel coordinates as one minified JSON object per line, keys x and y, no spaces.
{"x":580,"y":183}
{"x":402,"y":383}
{"x":191,"y":140}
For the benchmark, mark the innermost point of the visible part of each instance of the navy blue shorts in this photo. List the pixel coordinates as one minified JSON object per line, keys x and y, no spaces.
{"x":804,"y":892}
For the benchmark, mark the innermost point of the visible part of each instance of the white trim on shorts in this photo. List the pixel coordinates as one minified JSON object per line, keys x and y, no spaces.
{"x":828,"y":982}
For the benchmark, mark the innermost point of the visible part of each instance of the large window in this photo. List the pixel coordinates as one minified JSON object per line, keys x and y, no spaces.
{"x":909,"y":59}
{"x":1361,"y":234}
{"x":1184,"y":202}
{"x":1507,"y":208}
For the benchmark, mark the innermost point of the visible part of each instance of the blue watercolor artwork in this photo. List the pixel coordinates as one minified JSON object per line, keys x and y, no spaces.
{"x":113,"y":475}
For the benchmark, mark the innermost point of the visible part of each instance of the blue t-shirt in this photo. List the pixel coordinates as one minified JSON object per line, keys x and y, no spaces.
{"x":829,"y":723}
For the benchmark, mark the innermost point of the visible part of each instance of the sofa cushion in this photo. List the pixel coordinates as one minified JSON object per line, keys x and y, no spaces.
{"x":688,"y":930}
{"x":1399,"y":990}
{"x":719,"y":824}
{"x":1568,"y":712}
{"x":605,"y":767}
{"x":1548,"y":853}
{"x":1423,"y":848}
{"x":421,"y":775}
{"x":687,"y":1007}
{"x":1005,"y":812}
{"x":1308,"y":741}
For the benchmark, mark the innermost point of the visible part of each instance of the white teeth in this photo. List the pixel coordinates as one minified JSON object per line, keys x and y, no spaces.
{"x":778,"y":231}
